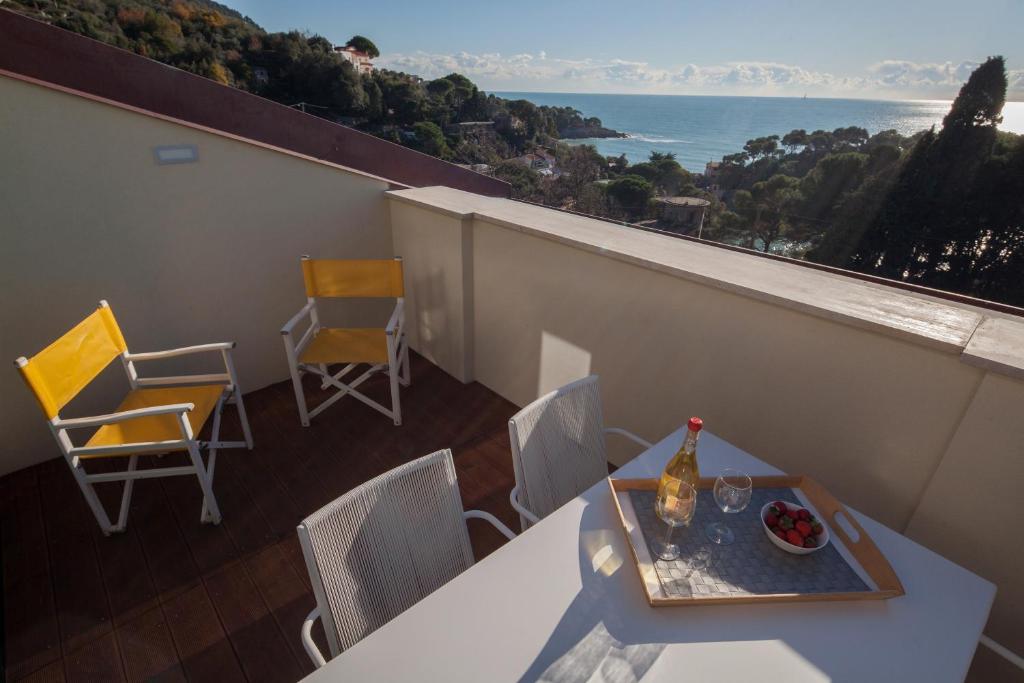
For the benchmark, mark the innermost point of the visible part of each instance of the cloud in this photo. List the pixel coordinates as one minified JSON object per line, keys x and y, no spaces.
{"x":495,"y":71}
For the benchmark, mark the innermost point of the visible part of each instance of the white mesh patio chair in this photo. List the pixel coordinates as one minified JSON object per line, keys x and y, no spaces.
{"x":384,"y":546}
{"x":558,"y":448}
{"x":384,"y":349}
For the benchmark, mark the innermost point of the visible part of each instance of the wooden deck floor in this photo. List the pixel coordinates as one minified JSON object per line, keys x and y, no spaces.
{"x":172,"y":599}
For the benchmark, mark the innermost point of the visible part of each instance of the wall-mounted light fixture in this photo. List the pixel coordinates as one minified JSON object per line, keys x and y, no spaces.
{"x":176,"y":154}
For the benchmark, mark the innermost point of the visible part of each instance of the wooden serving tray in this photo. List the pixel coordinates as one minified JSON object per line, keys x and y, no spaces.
{"x":874,"y":568}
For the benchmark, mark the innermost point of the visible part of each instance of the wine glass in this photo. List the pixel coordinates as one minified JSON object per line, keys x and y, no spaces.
{"x":732,"y":494}
{"x":674,"y":510}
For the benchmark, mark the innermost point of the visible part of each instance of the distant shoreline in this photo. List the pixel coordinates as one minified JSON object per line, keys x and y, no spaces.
{"x":507,"y":93}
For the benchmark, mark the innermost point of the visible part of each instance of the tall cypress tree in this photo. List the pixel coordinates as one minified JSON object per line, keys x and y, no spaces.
{"x":927,"y":229}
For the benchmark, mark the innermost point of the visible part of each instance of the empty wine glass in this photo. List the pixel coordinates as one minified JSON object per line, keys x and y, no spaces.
{"x":674,"y":510}
{"x":732,"y":494}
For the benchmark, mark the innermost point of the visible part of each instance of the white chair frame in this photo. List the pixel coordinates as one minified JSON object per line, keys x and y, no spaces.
{"x":397,"y":366}
{"x":322,"y":610}
{"x":527,"y":517}
{"x":204,"y":473}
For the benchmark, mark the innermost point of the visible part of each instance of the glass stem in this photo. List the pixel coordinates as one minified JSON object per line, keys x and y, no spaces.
{"x":668,"y":533}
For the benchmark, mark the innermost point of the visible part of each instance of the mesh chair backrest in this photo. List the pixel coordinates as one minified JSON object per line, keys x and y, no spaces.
{"x":369,"y":278}
{"x":61,"y":370}
{"x":380,"y":548}
{"x":558,"y":448}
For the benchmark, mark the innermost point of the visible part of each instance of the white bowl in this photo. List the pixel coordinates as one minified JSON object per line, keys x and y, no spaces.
{"x":822,"y":538}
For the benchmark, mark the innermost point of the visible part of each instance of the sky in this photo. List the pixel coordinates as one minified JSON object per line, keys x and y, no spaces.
{"x":860,"y":48}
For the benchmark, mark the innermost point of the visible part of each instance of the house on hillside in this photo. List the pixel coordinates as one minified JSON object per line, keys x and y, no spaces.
{"x":359,"y":60}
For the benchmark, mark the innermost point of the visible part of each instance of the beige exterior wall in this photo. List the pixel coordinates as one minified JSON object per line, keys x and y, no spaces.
{"x":185,"y":253}
{"x":907,"y":408}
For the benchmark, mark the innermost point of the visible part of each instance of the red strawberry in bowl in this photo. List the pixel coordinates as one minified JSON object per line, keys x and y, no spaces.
{"x":795,"y":530}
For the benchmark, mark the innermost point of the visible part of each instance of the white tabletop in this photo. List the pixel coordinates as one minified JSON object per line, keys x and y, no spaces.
{"x":563,"y":602}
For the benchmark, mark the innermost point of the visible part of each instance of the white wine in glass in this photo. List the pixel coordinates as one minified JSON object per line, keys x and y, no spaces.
{"x":675,"y":507}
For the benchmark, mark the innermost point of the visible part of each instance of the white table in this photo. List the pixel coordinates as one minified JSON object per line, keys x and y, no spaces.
{"x":563,"y":602}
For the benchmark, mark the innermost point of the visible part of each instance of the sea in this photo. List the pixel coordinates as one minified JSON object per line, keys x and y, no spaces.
{"x":698,"y":129}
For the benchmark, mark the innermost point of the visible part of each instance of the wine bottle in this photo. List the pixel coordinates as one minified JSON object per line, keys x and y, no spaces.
{"x":682,"y":467}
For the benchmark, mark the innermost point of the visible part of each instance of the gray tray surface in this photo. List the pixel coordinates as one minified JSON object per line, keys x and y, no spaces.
{"x":750,"y":566}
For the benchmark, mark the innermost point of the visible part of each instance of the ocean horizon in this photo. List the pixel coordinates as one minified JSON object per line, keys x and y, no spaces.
{"x":702,"y":128}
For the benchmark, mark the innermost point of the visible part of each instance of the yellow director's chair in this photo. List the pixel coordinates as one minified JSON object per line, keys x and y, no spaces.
{"x":383,"y":348}
{"x":159,"y":415}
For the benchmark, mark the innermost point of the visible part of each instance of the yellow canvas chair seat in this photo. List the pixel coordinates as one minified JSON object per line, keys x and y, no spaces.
{"x":347,"y":345}
{"x":157,"y":427}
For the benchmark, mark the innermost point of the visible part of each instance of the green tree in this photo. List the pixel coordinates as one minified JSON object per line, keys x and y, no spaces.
{"x":795,"y":138}
{"x":363,"y":45}
{"x":764,"y":211}
{"x":430,"y":139}
{"x":930,"y":227}
{"x":525,"y":182}
{"x":632,"y":194}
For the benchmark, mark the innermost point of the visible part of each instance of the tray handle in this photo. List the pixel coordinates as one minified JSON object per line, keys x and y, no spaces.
{"x":864,"y":549}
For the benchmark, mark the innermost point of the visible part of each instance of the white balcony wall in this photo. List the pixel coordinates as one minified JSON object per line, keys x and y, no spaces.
{"x":900,"y":404}
{"x":184,"y":253}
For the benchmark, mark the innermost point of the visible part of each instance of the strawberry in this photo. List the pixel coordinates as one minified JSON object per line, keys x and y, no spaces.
{"x":792,"y":515}
{"x":785,"y":523}
{"x":794,"y":537}
{"x":780,"y":533}
{"x":810,"y":542}
{"x":803,"y":528}
{"x":772,"y":510}
{"x":780,"y":506}
{"x":816,"y":528}
{"x":771,"y":520}
{"x":804,"y":515}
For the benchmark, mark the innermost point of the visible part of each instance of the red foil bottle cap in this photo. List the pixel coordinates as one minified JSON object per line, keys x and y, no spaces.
{"x":695,"y":424}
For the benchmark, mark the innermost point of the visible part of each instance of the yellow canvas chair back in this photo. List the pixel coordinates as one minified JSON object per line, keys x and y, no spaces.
{"x":366,"y":278}
{"x":60,"y":371}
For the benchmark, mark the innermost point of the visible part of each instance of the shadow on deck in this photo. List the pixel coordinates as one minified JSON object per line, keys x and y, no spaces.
{"x":171,"y":599}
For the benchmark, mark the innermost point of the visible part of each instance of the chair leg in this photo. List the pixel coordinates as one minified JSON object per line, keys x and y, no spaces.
{"x":396,"y":404}
{"x":204,"y":514}
{"x":126,"y":495}
{"x":211,"y":512}
{"x":300,"y":398}
{"x":94,"y":502}
{"x":323,"y":368}
{"x":406,"y":377}
{"x":243,"y":417}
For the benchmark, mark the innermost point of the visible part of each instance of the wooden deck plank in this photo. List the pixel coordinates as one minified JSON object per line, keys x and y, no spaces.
{"x":82,"y":608}
{"x":172,"y":599}
{"x":30,"y":617}
{"x":97,"y":660}
{"x":147,"y":649}
{"x":261,"y":647}
{"x":205,"y":651}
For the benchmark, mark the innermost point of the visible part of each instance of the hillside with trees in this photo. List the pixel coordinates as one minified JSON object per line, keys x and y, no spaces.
{"x":304,"y":71}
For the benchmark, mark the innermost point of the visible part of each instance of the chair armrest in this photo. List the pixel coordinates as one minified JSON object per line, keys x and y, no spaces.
{"x":183,"y":351}
{"x":303,"y":312}
{"x":307,"y":639}
{"x":396,"y":318}
{"x":629,"y":435}
{"x":113,"y":418}
{"x":513,"y":497}
{"x":488,"y":517}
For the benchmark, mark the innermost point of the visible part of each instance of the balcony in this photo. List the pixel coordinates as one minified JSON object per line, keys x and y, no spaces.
{"x":905,"y":405}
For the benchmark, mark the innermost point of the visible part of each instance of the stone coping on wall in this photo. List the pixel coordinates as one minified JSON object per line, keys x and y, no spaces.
{"x":993,"y":343}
